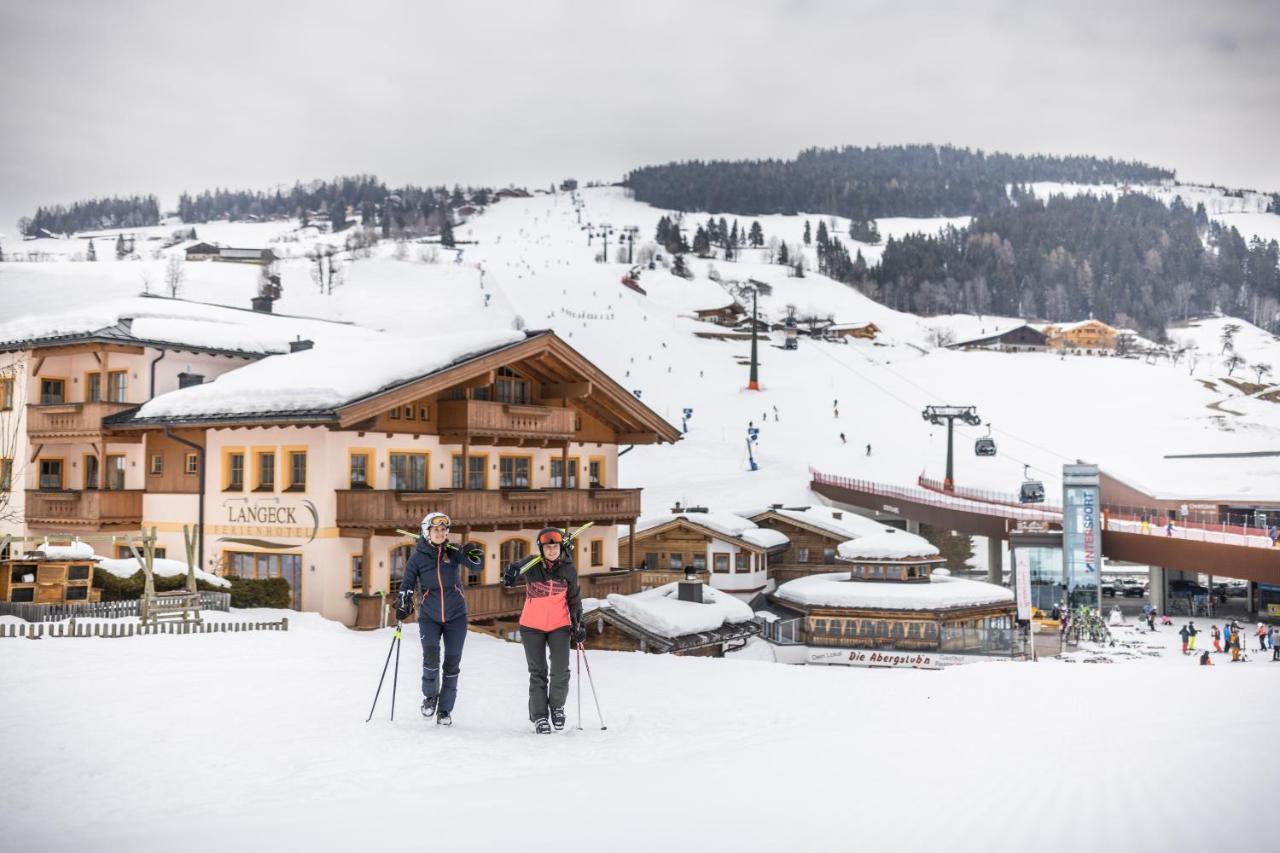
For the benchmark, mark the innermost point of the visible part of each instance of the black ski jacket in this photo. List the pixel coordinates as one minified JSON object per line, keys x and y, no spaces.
{"x":439,"y":573}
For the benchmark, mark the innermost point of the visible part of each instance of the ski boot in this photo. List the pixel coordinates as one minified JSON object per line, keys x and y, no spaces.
{"x":541,"y":726}
{"x":429,"y":707}
{"x":557,"y":719}
{"x":444,"y":718}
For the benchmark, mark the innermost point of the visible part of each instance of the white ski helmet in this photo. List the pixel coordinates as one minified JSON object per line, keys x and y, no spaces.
{"x":434,"y":519}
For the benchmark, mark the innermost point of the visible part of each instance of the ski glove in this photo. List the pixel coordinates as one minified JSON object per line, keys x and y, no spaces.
{"x":512,"y":574}
{"x":579,"y":633}
{"x":474,"y":555}
{"x":404,"y":604}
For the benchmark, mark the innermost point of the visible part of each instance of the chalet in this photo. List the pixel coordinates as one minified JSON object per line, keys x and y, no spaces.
{"x":761,"y":287}
{"x":318,"y":460}
{"x":210,"y":252}
{"x":682,"y":618}
{"x":726,"y":315}
{"x":894,"y":606}
{"x":735,"y":551}
{"x":1022,"y":338}
{"x":1088,"y":337}
{"x":814,"y":534}
{"x":867,"y":331}
{"x":511,"y":192}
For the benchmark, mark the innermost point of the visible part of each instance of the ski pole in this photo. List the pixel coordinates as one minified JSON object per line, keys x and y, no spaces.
{"x":591,"y":681}
{"x":579,"y":680}
{"x":395,"y":644}
{"x":395,"y":675}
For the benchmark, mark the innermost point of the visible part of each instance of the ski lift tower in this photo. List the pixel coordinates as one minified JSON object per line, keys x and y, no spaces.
{"x":950,"y":414}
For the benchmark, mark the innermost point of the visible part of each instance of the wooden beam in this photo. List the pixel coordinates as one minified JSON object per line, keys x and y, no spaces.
{"x":77,"y":349}
{"x":35,"y":371}
{"x":637,"y":438}
{"x":566,"y":391}
{"x":484,"y":380}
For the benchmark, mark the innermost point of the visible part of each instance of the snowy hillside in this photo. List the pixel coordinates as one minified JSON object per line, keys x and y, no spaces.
{"x":700,"y":754}
{"x":528,"y":263}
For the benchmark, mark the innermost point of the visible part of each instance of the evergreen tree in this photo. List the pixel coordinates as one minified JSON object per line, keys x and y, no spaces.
{"x":807,"y":238}
{"x":701,"y":242}
{"x":121,"y":250}
{"x":678,"y":267}
{"x":664,"y":231}
{"x":446,"y":229}
{"x":91,"y":254}
{"x":784,"y":257}
{"x":338,"y":215}
{"x":756,"y":235}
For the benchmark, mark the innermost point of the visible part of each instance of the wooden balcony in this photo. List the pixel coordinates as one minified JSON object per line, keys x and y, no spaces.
{"x":87,"y":510}
{"x":512,"y":508}
{"x":70,"y":422}
{"x":504,"y":423}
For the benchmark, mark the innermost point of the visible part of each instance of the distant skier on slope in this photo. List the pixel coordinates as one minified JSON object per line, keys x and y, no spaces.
{"x":550,"y":620}
{"x":437,"y":567}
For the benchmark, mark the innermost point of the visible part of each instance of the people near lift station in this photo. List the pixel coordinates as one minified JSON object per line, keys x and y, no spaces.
{"x":1261,"y":634}
{"x":1273,"y":533}
{"x":1146,"y":525}
{"x":1168,"y":528}
{"x":1236,"y":648}
{"x":1184,"y":633}
{"x":1191,"y":636}
{"x":1204,"y":658}
{"x":1217,"y":639}
{"x":1165,"y":620}
{"x":1273,"y":637}
{"x":1226,"y":637}
{"x":843,"y":440}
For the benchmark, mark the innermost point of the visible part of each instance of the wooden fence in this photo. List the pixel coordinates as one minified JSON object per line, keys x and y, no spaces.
{"x":219,"y":601}
{"x":101,"y":629}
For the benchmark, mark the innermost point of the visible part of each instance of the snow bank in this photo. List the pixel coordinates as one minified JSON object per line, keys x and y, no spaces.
{"x":325,"y":377}
{"x":942,"y":591}
{"x":661,"y":611}
{"x":161,"y":567}
{"x":892,"y":544}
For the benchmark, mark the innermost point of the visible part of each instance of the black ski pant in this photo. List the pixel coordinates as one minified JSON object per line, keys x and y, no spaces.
{"x":454,"y":633}
{"x":536,"y":646}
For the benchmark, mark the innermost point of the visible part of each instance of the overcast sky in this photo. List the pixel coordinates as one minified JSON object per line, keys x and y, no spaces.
{"x":139,"y":97}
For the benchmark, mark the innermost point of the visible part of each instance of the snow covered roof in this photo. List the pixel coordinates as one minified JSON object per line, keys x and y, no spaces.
{"x":661,"y":612}
{"x":722,"y":524}
{"x":320,"y":380}
{"x":942,"y":591}
{"x":848,"y":525}
{"x":174,"y":324}
{"x":892,"y":544}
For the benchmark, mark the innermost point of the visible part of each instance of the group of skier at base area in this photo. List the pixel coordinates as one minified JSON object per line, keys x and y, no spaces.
{"x":550,"y":620}
{"x":1230,"y":639}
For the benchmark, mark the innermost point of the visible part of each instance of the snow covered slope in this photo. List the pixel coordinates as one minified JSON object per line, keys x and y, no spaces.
{"x":278,"y":753}
{"x":529,"y":264}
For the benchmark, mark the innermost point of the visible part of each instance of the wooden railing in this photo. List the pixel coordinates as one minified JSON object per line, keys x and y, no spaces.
{"x":791,"y":571}
{"x":493,"y":601}
{"x":505,"y":420}
{"x":89,"y":509}
{"x":69,"y":419}
{"x":383,"y":509}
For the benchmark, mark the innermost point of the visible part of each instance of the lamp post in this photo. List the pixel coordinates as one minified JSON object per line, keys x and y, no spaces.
{"x":753,"y":383}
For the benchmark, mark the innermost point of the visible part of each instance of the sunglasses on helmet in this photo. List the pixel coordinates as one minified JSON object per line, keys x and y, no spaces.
{"x":551,"y":537}
{"x":438,"y":519}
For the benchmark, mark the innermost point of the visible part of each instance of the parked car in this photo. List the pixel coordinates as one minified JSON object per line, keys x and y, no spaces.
{"x":1132,"y":588}
{"x":1186,"y":589}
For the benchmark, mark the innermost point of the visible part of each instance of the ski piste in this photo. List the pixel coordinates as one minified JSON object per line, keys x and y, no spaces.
{"x":537,"y":558}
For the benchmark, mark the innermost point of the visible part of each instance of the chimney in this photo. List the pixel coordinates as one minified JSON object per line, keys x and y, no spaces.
{"x":677,"y":509}
{"x":300,"y":344}
{"x":691,"y":591}
{"x":262,"y":303}
{"x":186,"y":380}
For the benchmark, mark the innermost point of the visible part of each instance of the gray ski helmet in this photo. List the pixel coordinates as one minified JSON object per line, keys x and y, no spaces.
{"x":434,"y":519}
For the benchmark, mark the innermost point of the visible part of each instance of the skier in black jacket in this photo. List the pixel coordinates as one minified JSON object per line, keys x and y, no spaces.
{"x":437,"y":567}
{"x":550,"y":619}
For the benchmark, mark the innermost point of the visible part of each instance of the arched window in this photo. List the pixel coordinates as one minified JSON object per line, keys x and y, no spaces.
{"x":399,"y":561}
{"x":512,"y":550}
